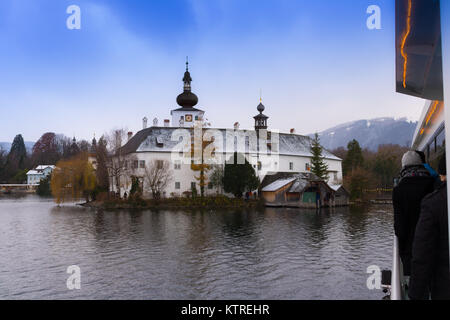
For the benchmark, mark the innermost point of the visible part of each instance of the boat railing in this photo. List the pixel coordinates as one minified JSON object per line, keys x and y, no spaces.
{"x":397,"y":292}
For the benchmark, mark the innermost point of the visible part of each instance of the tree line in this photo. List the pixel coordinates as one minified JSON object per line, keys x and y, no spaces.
{"x":364,"y":169}
{"x":71,"y":157}
{"x":48,"y":150}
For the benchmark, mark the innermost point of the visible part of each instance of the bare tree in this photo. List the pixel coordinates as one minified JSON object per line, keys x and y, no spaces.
{"x":216,"y":178}
{"x":157,"y":176}
{"x":117,"y":163}
{"x":63,"y":144}
{"x":45,"y":150}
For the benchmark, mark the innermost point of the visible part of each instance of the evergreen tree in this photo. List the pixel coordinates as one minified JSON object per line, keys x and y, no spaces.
{"x":318,"y":165}
{"x":354,"y":158}
{"x":136,"y":189}
{"x":239,"y":178}
{"x":16,"y":160}
{"x":84,"y":146}
{"x":2,"y":163}
{"x":74,"y":150}
{"x":18,"y":152}
{"x":102,"y":174}
{"x":43,"y":188}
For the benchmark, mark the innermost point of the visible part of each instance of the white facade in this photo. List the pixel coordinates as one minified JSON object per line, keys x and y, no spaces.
{"x":290,"y":154}
{"x":35,"y":176}
{"x":185,"y":118}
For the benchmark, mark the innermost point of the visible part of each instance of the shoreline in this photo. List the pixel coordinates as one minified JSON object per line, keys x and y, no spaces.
{"x":175,"y":203}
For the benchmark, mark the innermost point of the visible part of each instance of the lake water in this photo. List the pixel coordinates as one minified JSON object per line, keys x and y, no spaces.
{"x":269,"y":254}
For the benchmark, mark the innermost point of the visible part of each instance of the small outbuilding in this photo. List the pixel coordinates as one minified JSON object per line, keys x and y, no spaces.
{"x":301,"y":190}
{"x":341,"y":196}
{"x":35,"y":176}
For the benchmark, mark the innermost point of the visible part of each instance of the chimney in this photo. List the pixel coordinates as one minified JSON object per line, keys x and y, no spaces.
{"x":166,"y":123}
{"x":236,"y":126}
{"x":130,"y":135}
{"x":144,"y":123}
{"x":155,"y":122}
{"x":292,"y":131}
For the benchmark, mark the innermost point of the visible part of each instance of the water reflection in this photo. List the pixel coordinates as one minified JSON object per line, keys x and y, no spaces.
{"x":240,"y":254}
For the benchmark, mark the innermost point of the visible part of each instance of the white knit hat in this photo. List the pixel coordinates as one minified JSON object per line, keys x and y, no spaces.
{"x":411,"y":158}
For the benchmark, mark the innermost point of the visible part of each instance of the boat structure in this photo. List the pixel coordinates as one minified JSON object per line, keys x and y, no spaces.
{"x":422,"y":53}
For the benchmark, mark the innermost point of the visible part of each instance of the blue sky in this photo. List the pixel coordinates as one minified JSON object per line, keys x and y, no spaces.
{"x":317,"y":63}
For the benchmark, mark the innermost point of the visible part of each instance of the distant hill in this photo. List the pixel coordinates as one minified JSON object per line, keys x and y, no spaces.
{"x":7,"y":146}
{"x":369,"y":133}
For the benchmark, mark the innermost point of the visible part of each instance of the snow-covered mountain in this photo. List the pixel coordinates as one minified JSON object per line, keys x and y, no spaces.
{"x":369,"y":133}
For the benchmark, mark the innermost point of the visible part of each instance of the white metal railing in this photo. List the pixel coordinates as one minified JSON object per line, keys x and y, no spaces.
{"x":397,"y":274}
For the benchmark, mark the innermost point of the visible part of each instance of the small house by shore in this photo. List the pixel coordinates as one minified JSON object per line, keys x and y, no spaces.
{"x":301,"y":190}
{"x":41,"y":172}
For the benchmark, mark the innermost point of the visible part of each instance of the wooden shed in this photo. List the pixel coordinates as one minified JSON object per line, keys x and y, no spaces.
{"x":301,"y":190}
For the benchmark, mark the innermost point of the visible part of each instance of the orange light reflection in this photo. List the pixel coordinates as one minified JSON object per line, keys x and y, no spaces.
{"x":433,"y":110}
{"x":405,"y":37}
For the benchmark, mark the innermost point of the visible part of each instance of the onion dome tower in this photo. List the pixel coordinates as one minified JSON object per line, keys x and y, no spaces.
{"x":187,"y":115}
{"x":187,"y":99}
{"x":261,"y":119}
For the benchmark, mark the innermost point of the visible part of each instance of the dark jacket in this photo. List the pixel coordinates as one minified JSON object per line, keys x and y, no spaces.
{"x":414,"y":184}
{"x":430,"y":271}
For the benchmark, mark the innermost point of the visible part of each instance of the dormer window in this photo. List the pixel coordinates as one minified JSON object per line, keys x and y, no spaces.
{"x":159,"y":142}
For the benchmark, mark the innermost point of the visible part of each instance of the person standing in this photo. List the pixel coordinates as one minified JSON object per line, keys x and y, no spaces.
{"x":414,"y":183}
{"x":430,"y":271}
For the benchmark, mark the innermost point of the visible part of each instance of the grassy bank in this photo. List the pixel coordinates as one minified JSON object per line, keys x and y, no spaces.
{"x":176,"y":203}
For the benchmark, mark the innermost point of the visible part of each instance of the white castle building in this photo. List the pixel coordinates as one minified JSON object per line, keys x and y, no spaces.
{"x":268,"y":151}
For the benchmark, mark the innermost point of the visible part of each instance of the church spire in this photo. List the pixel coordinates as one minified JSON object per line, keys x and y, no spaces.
{"x":187,"y":78}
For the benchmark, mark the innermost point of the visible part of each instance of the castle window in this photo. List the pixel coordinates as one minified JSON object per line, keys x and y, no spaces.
{"x":159,"y":142}
{"x":142,"y":164}
{"x":177,"y":165}
{"x":291,"y":166}
{"x":177,"y":185}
